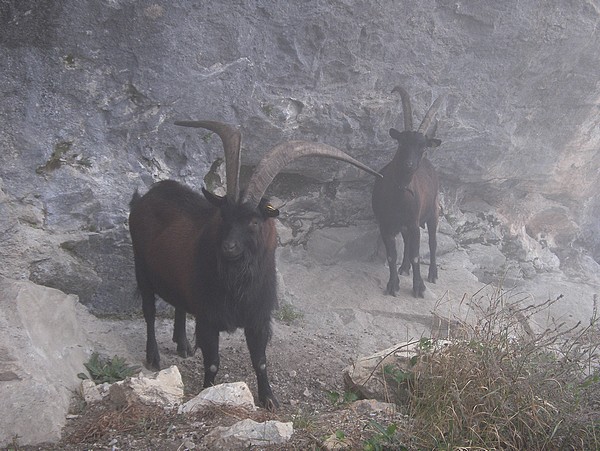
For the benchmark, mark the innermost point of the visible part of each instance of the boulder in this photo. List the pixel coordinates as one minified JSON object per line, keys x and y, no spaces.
{"x":248,"y":433}
{"x":234,"y":394}
{"x":163,"y":388}
{"x":46,"y":336}
{"x":43,"y":346}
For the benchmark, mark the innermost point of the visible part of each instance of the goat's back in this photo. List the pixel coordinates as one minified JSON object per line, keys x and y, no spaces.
{"x":166,"y":226}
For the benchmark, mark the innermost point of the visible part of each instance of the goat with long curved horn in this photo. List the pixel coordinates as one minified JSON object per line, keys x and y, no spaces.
{"x":214,"y":257}
{"x":406,"y":198}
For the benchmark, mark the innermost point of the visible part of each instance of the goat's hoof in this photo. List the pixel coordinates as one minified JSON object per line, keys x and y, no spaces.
{"x":392,"y":288}
{"x":270,"y":403}
{"x":186,"y":350}
{"x":419,"y":291}
{"x":153,"y":364}
{"x":433,"y":275}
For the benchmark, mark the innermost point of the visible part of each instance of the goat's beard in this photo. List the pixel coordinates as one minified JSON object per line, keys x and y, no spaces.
{"x":237,"y":277}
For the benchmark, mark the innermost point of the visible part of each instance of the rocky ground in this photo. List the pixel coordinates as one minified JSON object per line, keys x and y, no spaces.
{"x":329,"y":316}
{"x":306,"y":370}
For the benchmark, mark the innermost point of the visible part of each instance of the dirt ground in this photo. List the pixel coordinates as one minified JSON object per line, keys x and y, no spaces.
{"x":306,"y":376}
{"x":329,"y":316}
{"x":325,"y":322}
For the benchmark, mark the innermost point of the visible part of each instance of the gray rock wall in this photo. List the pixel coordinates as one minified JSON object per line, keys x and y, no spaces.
{"x":90,"y":90}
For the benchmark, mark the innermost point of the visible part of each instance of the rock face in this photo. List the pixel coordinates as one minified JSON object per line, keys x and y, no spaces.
{"x":44,"y":344}
{"x":91,"y":90}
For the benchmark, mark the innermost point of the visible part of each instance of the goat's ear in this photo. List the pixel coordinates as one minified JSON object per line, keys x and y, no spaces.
{"x":395,"y":134}
{"x":215,"y":200}
{"x":267,"y":209}
{"x":433,"y":142}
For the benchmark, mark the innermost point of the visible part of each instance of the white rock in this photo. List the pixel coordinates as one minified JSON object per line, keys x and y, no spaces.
{"x":247,"y":433}
{"x":231,"y":394}
{"x":164,"y":388}
{"x":90,"y":392}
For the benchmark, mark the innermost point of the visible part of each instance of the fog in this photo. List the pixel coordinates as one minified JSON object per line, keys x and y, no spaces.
{"x":91,"y":90}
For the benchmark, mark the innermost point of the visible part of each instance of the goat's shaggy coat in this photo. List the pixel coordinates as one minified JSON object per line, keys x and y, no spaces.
{"x":214,"y":262}
{"x":214,"y":257}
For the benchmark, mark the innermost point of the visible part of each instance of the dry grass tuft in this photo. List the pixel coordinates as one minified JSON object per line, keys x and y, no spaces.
{"x":500,"y":385}
{"x":133,"y":418}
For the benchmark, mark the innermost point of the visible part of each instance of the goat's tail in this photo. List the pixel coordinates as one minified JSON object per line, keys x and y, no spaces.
{"x":134,"y":199}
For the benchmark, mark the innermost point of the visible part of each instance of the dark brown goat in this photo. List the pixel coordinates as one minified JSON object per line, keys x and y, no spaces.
{"x":214,"y":257}
{"x":406,"y":198}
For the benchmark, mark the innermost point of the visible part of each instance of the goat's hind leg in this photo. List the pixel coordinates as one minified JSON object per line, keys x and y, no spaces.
{"x":184,"y":348}
{"x":432,"y":232}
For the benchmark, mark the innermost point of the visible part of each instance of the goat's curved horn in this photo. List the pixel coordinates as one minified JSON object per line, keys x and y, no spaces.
{"x":232,"y":141}
{"x":283,"y":154}
{"x":433,"y":109}
{"x":406,"y":108}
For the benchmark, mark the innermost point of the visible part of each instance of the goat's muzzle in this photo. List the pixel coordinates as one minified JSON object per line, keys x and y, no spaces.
{"x":231,"y":250}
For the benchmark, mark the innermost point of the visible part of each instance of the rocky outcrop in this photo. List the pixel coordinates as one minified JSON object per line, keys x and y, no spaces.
{"x":91,"y":90}
{"x":46,"y":336}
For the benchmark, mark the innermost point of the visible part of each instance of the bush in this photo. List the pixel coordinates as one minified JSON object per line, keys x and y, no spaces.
{"x":500,"y":385}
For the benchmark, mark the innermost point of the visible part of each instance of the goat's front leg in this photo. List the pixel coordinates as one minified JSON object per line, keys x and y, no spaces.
{"x":414,"y":237}
{"x":257,"y":339}
{"x":405,"y":266}
{"x":207,"y":339}
{"x":393,"y":285}
{"x":184,"y":348}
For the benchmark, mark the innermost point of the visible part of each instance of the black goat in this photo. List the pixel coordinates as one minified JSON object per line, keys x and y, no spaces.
{"x":406,"y":198}
{"x":214,"y":257}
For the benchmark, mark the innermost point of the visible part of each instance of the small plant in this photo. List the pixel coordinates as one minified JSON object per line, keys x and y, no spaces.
{"x":385,"y":438}
{"x":287,"y":314}
{"x":107,"y":370}
{"x":63,"y":155}
{"x":303,"y":420}
{"x":267,"y":109}
{"x":337,"y":398}
{"x":396,"y":374}
{"x":14,"y":444}
{"x":340,"y":435}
